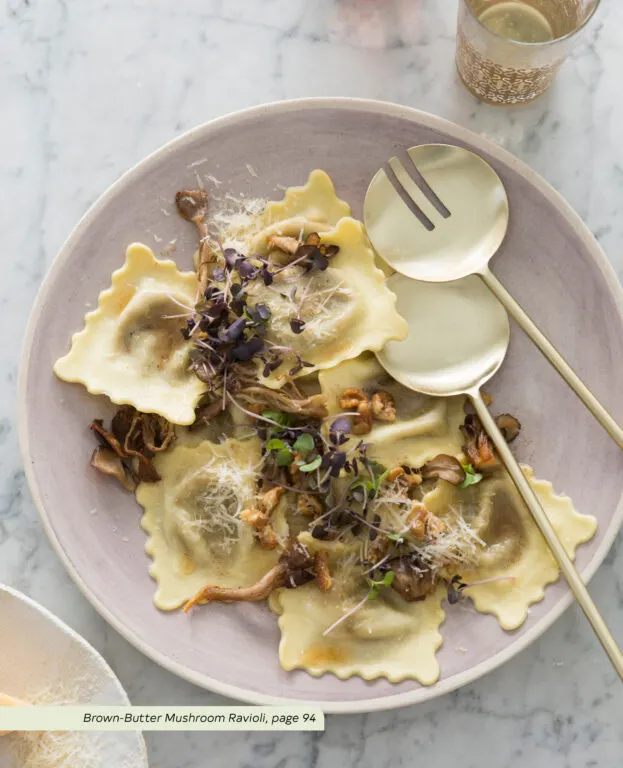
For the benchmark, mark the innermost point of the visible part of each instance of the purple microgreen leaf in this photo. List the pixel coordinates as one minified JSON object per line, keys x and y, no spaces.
{"x":297,"y":325}
{"x":338,"y":430}
{"x":231,"y":256}
{"x":263,"y":311}
{"x":219,"y":274}
{"x":245,"y":352}
{"x":266,"y":274}
{"x":236,"y":329}
{"x":246,"y":269}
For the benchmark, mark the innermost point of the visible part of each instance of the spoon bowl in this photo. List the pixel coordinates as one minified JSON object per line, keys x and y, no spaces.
{"x":469,"y":342}
{"x":452,"y":183}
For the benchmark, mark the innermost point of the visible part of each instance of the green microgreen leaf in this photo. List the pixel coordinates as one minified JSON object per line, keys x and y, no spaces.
{"x":375,"y":586}
{"x":304,"y":443}
{"x":313,"y":464}
{"x":275,"y":444}
{"x":284,"y":457}
{"x":395,"y":537}
{"x":471,"y":476}
{"x":283,"y":419}
{"x":378,"y":481}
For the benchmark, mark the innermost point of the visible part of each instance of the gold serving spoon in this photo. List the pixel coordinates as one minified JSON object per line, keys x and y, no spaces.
{"x":458,"y":224}
{"x":458,"y":337}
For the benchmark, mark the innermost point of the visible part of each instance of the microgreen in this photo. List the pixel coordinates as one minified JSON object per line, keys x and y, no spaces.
{"x":304,"y":443}
{"x":375,"y":586}
{"x":284,"y":419}
{"x":275,"y":444}
{"x":284,"y":457}
{"x":471,"y":476}
{"x":312,"y":465}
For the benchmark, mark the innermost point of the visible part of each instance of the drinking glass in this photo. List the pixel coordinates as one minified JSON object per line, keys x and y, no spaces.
{"x":508,"y":52}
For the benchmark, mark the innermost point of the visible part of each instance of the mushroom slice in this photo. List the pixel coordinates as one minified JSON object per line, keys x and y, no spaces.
{"x":410,"y":582}
{"x":508,"y":425}
{"x":106,"y":461}
{"x":192,"y":205}
{"x":445,"y":467}
{"x":314,"y":406}
{"x":272,"y":580}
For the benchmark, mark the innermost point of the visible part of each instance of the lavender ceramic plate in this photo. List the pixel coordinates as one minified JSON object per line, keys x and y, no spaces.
{"x":549,"y":262}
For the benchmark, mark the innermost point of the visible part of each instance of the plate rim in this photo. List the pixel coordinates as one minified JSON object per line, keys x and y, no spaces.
{"x":85,"y":644}
{"x":391,"y":109}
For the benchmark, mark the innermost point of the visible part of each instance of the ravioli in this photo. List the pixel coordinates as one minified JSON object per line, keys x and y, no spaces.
{"x":424,"y":427}
{"x":340,"y":319}
{"x":192,"y":517}
{"x":387,"y":637}
{"x":131,"y":348}
{"x":514,"y":544}
{"x":301,"y":211}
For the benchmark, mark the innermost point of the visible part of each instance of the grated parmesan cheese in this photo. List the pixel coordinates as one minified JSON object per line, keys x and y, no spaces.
{"x":221,"y":501}
{"x":457,"y":545}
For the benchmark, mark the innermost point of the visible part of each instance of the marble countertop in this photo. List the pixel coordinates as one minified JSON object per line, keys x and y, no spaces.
{"x":88,"y":89}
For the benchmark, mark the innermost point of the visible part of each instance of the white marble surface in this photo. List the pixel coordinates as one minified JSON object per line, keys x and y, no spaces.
{"x":89,"y":88}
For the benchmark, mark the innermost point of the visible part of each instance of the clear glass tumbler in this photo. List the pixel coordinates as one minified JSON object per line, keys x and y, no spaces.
{"x":508,"y":51}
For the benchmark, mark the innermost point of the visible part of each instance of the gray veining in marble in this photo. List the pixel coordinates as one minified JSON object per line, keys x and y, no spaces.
{"x":88,"y":88}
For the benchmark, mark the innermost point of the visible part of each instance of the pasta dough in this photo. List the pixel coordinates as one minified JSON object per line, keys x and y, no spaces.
{"x":192,"y":517}
{"x":131,"y":348}
{"x":340,"y":320}
{"x":424,"y":426}
{"x":387,"y":637}
{"x":514,"y":545}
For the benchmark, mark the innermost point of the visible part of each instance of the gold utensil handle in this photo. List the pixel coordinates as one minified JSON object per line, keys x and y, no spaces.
{"x":549,"y":534}
{"x":555,"y":358}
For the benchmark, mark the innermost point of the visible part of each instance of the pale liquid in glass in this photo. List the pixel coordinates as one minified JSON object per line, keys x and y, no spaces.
{"x":516,"y":20}
{"x":512,"y":76}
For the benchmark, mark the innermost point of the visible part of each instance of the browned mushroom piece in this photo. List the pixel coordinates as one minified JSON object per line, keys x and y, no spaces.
{"x":300,"y":565}
{"x":192,"y":205}
{"x":508,"y":425}
{"x":444,"y":467}
{"x":106,"y":461}
{"x":284,"y":243}
{"x":271,"y":581}
{"x":313,"y":239}
{"x":135,"y":438}
{"x":107,"y":438}
{"x":314,"y":406}
{"x":477,"y":445}
{"x":295,"y":567}
{"x":411,"y":582}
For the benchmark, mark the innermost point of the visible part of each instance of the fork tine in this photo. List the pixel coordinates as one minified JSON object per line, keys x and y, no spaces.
{"x":418,"y":198}
{"x":425,"y":186}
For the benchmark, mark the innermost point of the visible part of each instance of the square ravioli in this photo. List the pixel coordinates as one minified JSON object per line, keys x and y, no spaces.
{"x":131,"y":347}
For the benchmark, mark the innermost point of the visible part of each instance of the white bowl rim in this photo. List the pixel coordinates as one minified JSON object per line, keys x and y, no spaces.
{"x":390,"y":109}
{"x":89,"y":649}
